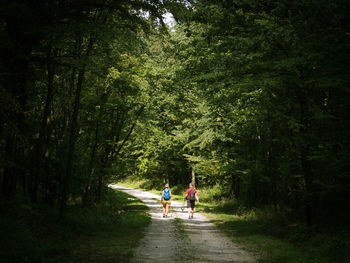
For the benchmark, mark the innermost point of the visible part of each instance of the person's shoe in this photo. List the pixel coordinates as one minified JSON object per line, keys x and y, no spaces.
{"x":189,"y":217}
{"x":163,"y":215}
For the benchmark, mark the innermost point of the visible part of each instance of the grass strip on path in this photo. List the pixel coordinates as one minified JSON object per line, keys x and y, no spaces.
{"x":184,"y":247}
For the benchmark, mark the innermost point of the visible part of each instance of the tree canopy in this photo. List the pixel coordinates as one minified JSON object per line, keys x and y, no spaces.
{"x":249,"y":95}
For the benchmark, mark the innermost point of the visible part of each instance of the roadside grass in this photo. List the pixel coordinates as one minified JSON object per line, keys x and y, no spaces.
{"x":276,"y":240}
{"x":107,"y":232}
{"x":270,"y":235}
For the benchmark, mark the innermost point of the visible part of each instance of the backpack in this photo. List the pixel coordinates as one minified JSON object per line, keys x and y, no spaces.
{"x":191,"y":196}
{"x":166,"y":194}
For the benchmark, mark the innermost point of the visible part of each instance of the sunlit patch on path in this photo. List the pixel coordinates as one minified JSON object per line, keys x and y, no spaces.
{"x":161,"y":243}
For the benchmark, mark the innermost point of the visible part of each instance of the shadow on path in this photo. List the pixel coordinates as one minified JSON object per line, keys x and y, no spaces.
{"x":162,"y":242}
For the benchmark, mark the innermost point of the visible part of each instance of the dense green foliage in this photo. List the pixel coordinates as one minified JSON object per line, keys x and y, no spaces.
{"x":256,"y":100}
{"x":71,"y":94}
{"x":249,"y":96}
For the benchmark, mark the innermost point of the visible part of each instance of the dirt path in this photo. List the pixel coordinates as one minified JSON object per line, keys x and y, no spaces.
{"x":163,"y":242}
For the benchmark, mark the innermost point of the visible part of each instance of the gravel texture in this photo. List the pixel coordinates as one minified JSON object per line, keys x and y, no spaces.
{"x":164,"y":242}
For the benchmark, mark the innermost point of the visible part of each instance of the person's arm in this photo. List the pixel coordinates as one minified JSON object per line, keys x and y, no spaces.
{"x":161,"y":198}
{"x":186,"y":195}
{"x":170,"y":193}
{"x":197,"y":197}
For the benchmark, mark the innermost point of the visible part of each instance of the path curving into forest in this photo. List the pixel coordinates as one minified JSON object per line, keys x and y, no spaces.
{"x":163,"y":242}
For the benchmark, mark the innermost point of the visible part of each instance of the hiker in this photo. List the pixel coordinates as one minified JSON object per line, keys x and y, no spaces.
{"x":191,"y":196}
{"x":165,"y":199}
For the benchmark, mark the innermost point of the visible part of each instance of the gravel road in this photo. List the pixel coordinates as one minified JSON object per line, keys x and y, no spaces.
{"x":163,"y":242}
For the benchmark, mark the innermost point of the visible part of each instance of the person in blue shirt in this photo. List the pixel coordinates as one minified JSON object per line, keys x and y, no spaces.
{"x":165,"y":199}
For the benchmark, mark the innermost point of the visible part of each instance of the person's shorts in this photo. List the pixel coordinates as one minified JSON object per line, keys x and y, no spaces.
{"x":165,"y":202}
{"x":190,"y":203}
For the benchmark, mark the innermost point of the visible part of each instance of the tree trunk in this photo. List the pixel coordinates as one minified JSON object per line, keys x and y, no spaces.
{"x":306,"y":168}
{"x":15,"y":57}
{"x":36,"y":171}
{"x":8,"y":173}
{"x":115,"y":151}
{"x":72,"y":134}
{"x":91,"y":164}
{"x":272,"y":169}
{"x":193,"y":180}
{"x":304,"y":152}
{"x":235,"y":186}
{"x":99,"y":188}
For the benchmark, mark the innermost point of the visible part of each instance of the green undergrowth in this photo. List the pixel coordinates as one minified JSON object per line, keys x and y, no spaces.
{"x":107,"y":232}
{"x":277,"y":242}
{"x":274,"y":236}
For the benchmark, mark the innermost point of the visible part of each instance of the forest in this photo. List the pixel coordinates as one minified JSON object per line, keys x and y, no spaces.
{"x":252,"y":97}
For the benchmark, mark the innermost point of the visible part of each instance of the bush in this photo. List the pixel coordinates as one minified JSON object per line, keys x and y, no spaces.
{"x":213,"y":194}
{"x":177,"y":190}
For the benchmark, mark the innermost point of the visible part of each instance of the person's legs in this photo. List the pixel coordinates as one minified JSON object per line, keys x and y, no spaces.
{"x":163,"y":209}
{"x":192,"y":208}
{"x":189,"y":208}
{"x":166,"y":209}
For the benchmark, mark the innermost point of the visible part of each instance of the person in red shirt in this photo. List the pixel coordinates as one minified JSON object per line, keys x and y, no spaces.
{"x":191,"y":196}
